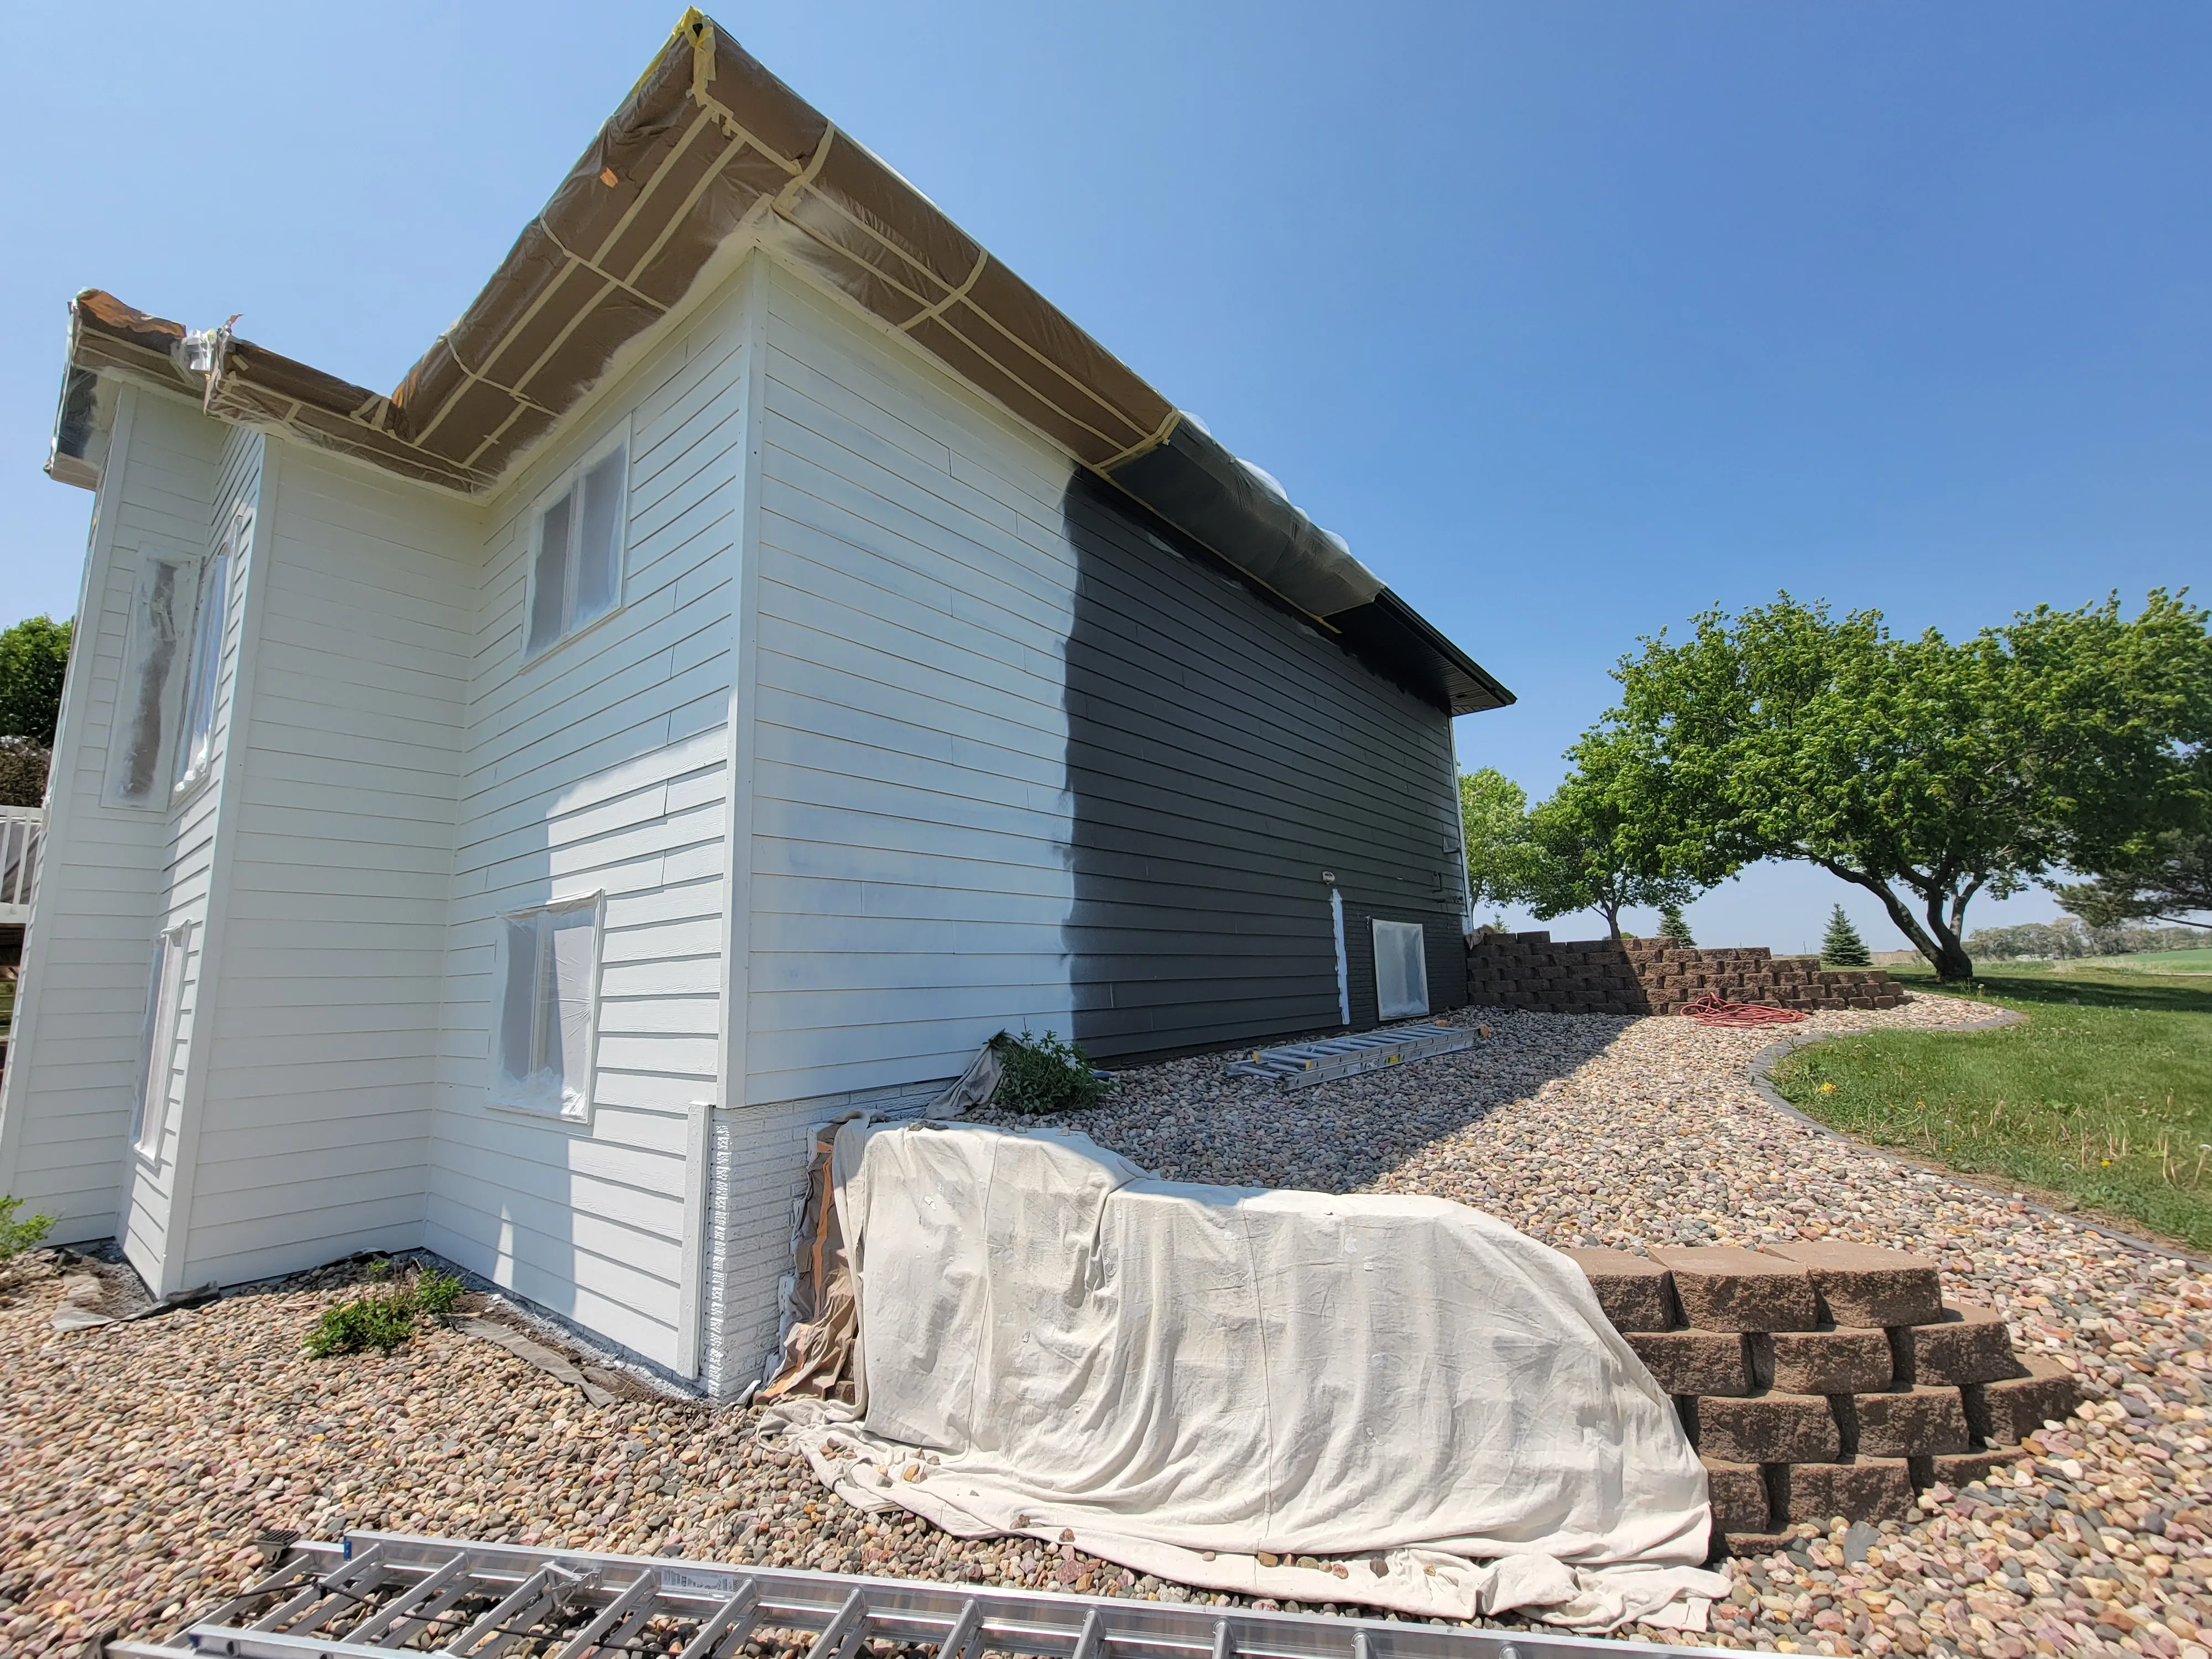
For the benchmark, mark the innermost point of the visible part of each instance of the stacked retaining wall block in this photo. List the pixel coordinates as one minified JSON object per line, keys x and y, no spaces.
{"x":1824,"y":1380}
{"x":1651,"y":976}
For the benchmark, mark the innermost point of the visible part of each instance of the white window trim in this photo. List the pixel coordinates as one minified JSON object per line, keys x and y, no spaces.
{"x":165,"y":998}
{"x":533,"y":526}
{"x":504,"y":1092}
{"x":190,"y":780}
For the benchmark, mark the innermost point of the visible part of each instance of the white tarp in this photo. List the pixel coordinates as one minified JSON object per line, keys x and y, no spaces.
{"x":1185,"y":1377}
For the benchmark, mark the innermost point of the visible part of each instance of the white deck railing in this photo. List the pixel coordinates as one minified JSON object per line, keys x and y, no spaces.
{"x":22,"y":834}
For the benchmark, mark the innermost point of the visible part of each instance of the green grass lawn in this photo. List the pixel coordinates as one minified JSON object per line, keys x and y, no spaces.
{"x":2102,"y":1096}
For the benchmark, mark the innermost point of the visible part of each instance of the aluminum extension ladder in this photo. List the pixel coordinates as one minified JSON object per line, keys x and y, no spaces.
{"x":1301,"y":1064}
{"x":377,"y":1593}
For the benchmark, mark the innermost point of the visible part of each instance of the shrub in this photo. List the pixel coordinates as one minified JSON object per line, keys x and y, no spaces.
{"x":383,"y":1322}
{"x":1040,"y":1074}
{"x":436,"y":1291}
{"x":17,"y":1236}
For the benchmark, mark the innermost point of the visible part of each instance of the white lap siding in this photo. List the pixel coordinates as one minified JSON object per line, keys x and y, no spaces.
{"x":328,"y":944}
{"x":602,"y":765}
{"x":112,"y":877}
{"x":907,"y":853}
{"x":910,"y":878}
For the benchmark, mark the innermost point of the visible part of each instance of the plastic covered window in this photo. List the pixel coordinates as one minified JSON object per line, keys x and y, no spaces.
{"x":576,"y":573}
{"x":196,"y":733}
{"x":153,"y":666}
{"x":165,"y":997}
{"x":1401,"y":969}
{"x":548,"y":1006}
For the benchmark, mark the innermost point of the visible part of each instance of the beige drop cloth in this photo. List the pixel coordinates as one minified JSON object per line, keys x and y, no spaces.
{"x":1185,"y":1377}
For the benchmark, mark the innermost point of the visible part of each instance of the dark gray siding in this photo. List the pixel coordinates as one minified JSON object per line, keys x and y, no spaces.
{"x":1223,"y":753}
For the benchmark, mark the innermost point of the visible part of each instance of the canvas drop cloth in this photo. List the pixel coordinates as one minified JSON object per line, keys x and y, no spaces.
{"x":1050,"y":1342}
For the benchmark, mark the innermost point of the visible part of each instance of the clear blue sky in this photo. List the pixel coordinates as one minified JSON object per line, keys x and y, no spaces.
{"x":1571,"y":318}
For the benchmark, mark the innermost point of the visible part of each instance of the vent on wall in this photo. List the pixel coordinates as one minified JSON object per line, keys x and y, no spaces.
{"x":1401,"y":969}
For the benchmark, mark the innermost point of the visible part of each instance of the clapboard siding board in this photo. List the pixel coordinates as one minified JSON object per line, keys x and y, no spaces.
{"x":909,"y":641}
{"x":334,"y":868}
{"x":109,"y":881}
{"x":602,"y":765}
{"x":1302,"y":761}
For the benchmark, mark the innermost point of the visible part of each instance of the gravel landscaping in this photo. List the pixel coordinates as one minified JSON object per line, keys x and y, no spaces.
{"x":142,"y":1458}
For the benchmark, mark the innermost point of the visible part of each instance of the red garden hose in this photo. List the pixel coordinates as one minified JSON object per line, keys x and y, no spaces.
{"x":1711,"y":1010}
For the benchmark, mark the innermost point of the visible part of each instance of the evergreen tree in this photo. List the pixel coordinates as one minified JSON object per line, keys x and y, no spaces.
{"x":1841,"y":946}
{"x":1673,"y":929}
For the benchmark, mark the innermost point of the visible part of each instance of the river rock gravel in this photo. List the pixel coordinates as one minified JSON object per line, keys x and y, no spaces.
{"x":140,"y":1459}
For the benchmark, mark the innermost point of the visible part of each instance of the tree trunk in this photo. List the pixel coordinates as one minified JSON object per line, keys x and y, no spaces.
{"x":1942,"y":947}
{"x":1951,"y":960}
{"x":1612,"y":914}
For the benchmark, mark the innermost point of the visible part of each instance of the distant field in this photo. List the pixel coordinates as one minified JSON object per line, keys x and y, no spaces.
{"x":2102,"y":1096}
{"x":2185,"y":961}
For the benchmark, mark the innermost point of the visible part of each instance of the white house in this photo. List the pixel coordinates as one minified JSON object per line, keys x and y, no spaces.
{"x":762,"y":649}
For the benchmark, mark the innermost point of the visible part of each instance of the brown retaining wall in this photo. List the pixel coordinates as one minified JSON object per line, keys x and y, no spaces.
{"x":1651,"y":976}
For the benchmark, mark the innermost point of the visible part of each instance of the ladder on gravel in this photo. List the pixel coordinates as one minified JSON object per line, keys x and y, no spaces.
{"x":1301,"y":1064}
{"x":378,"y":1592}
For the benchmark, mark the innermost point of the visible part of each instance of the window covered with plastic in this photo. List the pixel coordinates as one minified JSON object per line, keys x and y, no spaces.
{"x":548,"y":1007}
{"x":576,"y":551}
{"x":165,"y":1000}
{"x":196,"y":733}
{"x":1401,"y":969}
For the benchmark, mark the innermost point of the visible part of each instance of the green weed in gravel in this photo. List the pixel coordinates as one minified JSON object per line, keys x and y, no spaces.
{"x":2103,"y":1094}
{"x":383,"y":1322}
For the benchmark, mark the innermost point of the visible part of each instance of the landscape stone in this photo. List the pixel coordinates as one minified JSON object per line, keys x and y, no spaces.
{"x":1837,"y":1360}
{"x":1736,"y":1289}
{"x":1968,"y":1345}
{"x":1694,"y":1362}
{"x":1739,"y":1496}
{"x":1636,"y":1292}
{"x":1915,"y":1422}
{"x":1767,"y":1428}
{"x":1956,"y":1469}
{"x":2006,"y":1413}
{"x":1865,"y":1284}
{"x":1746,"y":1546}
{"x":1862,"y":1489}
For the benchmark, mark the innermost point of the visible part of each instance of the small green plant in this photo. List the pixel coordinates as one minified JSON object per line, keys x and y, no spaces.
{"x":17,"y":1236}
{"x":383,"y":1322}
{"x":1041,"y":1075}
{"x":436,"y":1291}
{"x":1841,"y":945}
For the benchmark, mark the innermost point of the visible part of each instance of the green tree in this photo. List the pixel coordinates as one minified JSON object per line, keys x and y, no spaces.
{"x":1593,"y":849}
{"x":1923,"y":771}
{"x":2165,"y":878}
{"x":1494,"y":812}
{"x":1673,"y":929}
{"x":1841,"y":945}
{"x":33,"y":655}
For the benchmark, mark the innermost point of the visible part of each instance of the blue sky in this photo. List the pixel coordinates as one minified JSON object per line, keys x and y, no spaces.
{"x":1571,"y":318}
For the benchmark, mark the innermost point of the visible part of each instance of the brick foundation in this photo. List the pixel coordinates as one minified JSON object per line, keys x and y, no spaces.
{"x":1651,"y":976}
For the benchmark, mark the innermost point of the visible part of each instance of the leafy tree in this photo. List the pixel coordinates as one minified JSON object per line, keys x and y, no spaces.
{"x":23,"y":768}
{"x":1673,"y":929}
{"x":1494,"y":811}
{"x":1841,"y":945}
{"x":1593,"y":847}
{"x":33,"y":655}
{"x":2166,"y":877}
{"x":1923,"y":771}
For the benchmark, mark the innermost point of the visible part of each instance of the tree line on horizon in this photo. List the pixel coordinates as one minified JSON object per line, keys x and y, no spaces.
{"x":1926,"y":771}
